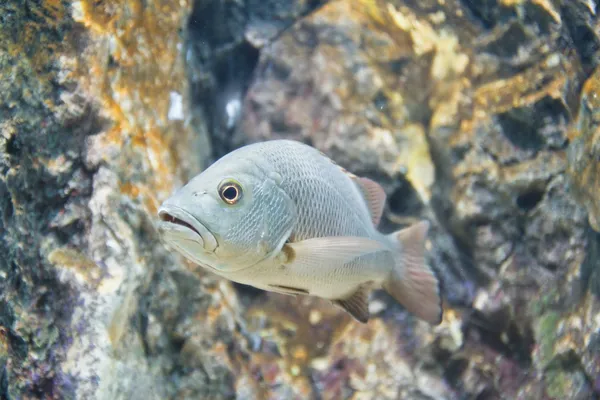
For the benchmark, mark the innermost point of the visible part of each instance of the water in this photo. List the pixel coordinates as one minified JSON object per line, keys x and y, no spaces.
{"x":479,"y":116}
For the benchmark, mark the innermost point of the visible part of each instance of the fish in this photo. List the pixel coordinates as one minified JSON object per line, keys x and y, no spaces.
{"x":281,"y":216}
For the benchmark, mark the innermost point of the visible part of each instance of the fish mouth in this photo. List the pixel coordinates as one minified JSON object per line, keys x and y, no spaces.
{"x":165,"y":216}
{"x":174,"y":219}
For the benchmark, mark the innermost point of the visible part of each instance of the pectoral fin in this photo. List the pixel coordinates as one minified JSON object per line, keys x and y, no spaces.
{"x":328,"y":251}
{"x":356,"y":305}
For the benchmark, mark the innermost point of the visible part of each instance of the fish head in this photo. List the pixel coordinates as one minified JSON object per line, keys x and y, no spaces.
{"x":229,"y":217}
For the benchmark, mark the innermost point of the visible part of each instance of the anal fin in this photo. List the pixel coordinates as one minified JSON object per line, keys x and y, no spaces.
{"x":356,"y":305}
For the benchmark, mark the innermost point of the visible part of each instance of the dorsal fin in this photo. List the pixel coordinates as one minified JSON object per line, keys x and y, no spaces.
{"x":374,"y":196}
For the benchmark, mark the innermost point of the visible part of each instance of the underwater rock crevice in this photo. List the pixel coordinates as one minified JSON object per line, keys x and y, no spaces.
{"x":222,"y":47}
{"x":579,"y":23}
{"x":590,"y":268}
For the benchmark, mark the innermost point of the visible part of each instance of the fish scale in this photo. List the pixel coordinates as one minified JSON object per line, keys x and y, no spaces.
{"x":320,"y":203}
{"x":299,"y":224}
{"x":328,"y":204}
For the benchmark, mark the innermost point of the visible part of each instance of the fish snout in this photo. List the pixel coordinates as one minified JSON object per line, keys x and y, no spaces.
{"x":178,"y":224}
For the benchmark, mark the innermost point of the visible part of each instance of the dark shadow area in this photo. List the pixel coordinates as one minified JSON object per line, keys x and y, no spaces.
{"x":519,"y":127}
{"x":405,"y":199}
{"x":527,"y":200}
{"x":537,"y":127}
{"x":580,"y":27}
{"x":247,"y":293}
{"x":219,"y":63}
{"x":501,"y":332}
{"x":508,"y":44}
{"x":456,"y":252}
{"x":483,"y":10}
{"x":222,"y":50}
{"x":590,"y":268}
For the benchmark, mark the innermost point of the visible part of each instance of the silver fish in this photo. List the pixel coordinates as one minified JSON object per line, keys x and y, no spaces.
{"x":282,"y":217}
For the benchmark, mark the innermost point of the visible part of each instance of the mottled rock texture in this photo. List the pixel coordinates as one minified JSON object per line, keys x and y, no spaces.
{"x":462,"y":110}
{"x":481,"y":116}
{"x":87,"y":151}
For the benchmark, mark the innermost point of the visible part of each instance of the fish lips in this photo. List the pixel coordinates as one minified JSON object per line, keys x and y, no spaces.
{"x":177,"y":223}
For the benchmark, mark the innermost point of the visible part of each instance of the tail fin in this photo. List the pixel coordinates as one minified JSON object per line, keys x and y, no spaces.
{"x":412,"y":283}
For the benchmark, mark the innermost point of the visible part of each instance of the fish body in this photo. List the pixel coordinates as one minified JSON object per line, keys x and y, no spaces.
{"x":281,"y":216}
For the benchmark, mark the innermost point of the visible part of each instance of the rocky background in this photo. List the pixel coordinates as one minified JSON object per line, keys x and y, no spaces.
{"x":481,"y":116}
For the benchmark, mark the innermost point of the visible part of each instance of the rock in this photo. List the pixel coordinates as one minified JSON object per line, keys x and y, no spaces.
{"x":468,"y":112}
{"x":223,"y":39}
{"x":462,"y":111}
{"x":583,"y":166}
{"x":87,"y":151}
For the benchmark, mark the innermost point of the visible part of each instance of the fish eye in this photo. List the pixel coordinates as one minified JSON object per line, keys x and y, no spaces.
{"x":230,"y":192}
